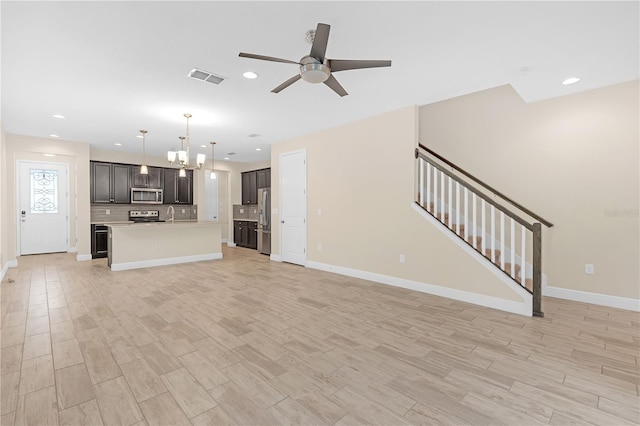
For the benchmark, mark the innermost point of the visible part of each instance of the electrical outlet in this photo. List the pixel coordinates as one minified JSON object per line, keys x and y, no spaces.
{"x":402,"y":258}
{"x":319,"y":247}
{"x":241,"y":210}
{"x":588,"y":269}
{"x":319,"y":212}
{"x":107,"y":211}
{"x":183,"y":211}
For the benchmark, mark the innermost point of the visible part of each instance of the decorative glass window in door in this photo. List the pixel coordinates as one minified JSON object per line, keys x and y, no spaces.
{"x":44,"y":191}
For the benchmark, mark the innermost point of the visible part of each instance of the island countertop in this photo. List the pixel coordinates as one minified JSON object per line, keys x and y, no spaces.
{"x":143,"y":245}
{"x":177,"y":223}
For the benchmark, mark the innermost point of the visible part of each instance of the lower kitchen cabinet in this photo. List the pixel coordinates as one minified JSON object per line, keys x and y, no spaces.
{"x":245,"y":234}
{"x":99,"y":240}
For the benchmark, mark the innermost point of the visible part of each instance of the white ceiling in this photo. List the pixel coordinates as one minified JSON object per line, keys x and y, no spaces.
{"x":113,"y":68}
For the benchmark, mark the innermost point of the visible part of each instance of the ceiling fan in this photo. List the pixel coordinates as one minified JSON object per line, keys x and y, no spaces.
{"x":316,"y":68}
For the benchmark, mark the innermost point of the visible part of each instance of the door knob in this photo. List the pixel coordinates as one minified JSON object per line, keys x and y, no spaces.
{"x":282,"y":221}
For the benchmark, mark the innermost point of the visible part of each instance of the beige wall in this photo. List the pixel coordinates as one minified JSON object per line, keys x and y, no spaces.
{"x":361,"y":176}
{"x":573,"y":160}
{"x":4,"y":242}
{"x":76,"y":156}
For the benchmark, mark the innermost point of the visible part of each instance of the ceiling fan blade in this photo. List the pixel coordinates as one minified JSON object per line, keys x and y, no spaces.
{"x":287,"y":83}
{"x":349,"y":64}
{"x":335,"y":86}
{"x":320,"y":41}
{"x":266,"y":58}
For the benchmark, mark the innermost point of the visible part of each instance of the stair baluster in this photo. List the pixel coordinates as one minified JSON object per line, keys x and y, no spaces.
{"x":436,"y":195}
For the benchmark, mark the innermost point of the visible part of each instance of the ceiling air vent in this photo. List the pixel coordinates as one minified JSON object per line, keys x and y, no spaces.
{"x":205,"y":76}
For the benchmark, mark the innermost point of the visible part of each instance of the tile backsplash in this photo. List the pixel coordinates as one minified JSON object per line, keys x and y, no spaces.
{"x":120,"y":212}
{"x":245,"y":211}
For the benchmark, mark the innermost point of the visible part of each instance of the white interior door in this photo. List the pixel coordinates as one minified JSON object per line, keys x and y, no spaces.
{"x":293,"y":207}
{"x":42,"y":207}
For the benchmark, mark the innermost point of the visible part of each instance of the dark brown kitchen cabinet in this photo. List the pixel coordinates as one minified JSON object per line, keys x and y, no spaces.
{"x":249,"y":188}
{"x":178,"y":190}
{"x":264,"y":178}
{"x":99,"y":241}
{"x":245,"y":234}
{"x":154,"y":179}
{"x":110,"y":183}
{"x":251,"y":182}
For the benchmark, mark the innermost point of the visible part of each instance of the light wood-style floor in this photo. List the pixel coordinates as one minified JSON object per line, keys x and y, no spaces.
{"x":247,"y":341}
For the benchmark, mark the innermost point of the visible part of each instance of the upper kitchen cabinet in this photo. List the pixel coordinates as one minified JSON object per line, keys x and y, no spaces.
{"x":251,"y":182}
{"x":110,"y":183}
{"x":178,"y":190}
{"x":249,"y":188}
{"x":264,"y":178}
{"x":154,"y":179}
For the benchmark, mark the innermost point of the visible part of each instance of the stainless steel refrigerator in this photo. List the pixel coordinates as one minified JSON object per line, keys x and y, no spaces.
{"x":264,"y":221}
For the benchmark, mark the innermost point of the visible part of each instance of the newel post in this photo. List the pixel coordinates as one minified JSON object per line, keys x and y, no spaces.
{"x":537,"y":270}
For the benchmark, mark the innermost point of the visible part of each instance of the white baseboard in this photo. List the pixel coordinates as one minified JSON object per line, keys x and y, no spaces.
{"x":6,"y":266}
{"x":163,"y":262}
{"x":275,"y":257}
{"x":83,"y":257}
{"x":594,"y":298}
{"x":72,"y":249}
{"x":231,"y":244}
{"x":522,"y":308}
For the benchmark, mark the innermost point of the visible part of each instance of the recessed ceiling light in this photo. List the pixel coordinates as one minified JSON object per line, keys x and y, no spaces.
{"x":203,"y":146}
{"x":250,"y":75}
{"x":226,"y":158}
{"x":49,"y":155}
{"x":117,"y":144}
{"x":139,"y":136}
{"x":571,"y":80}
{"x":58,"y":116}
{"x":54,"y":136}
{"x":258,"y":149}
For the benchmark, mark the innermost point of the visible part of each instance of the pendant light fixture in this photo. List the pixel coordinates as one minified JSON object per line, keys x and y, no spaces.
{"x":182,"y":157}
{"x":213,"y":173}
{"x":144,"y":170}
{"x":185,"y":151}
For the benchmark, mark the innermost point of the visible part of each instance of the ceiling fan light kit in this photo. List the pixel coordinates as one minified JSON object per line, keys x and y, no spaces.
{"x":315,"y":67}
{"x":315,"y":73}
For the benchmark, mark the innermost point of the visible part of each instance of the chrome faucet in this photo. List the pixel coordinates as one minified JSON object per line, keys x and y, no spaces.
{"x":173,"y":214}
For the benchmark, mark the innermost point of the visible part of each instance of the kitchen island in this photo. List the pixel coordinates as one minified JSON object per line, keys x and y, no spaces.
{"x":144,"y":245}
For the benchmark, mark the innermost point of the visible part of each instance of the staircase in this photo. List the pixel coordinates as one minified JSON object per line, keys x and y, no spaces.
{"x":507,"y":237}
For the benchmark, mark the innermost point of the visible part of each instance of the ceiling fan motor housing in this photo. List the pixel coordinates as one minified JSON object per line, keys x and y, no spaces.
{"x":313,"y":71}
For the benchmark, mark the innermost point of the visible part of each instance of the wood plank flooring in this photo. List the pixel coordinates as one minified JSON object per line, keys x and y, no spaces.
{"x":247,"y":341}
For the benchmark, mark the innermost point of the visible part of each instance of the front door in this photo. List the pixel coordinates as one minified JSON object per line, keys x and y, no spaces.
{"x":42,"y":207}
{"x":293,"y":207}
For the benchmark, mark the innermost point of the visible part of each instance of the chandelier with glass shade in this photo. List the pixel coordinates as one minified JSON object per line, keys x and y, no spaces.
{"x":184,"y":154}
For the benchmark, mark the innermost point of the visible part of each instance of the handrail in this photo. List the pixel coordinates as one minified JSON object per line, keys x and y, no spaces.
{"x":500,"y":207}
{"x":495,"y":191}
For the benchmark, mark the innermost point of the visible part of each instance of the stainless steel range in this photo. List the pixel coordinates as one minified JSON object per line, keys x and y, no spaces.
{"x":143,"y":216}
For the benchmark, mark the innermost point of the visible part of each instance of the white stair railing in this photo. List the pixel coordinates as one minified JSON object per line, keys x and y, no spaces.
{"x":464,"y":209}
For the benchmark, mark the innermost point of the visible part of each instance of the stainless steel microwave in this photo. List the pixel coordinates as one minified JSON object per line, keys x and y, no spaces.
{"x":146,"y":196}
